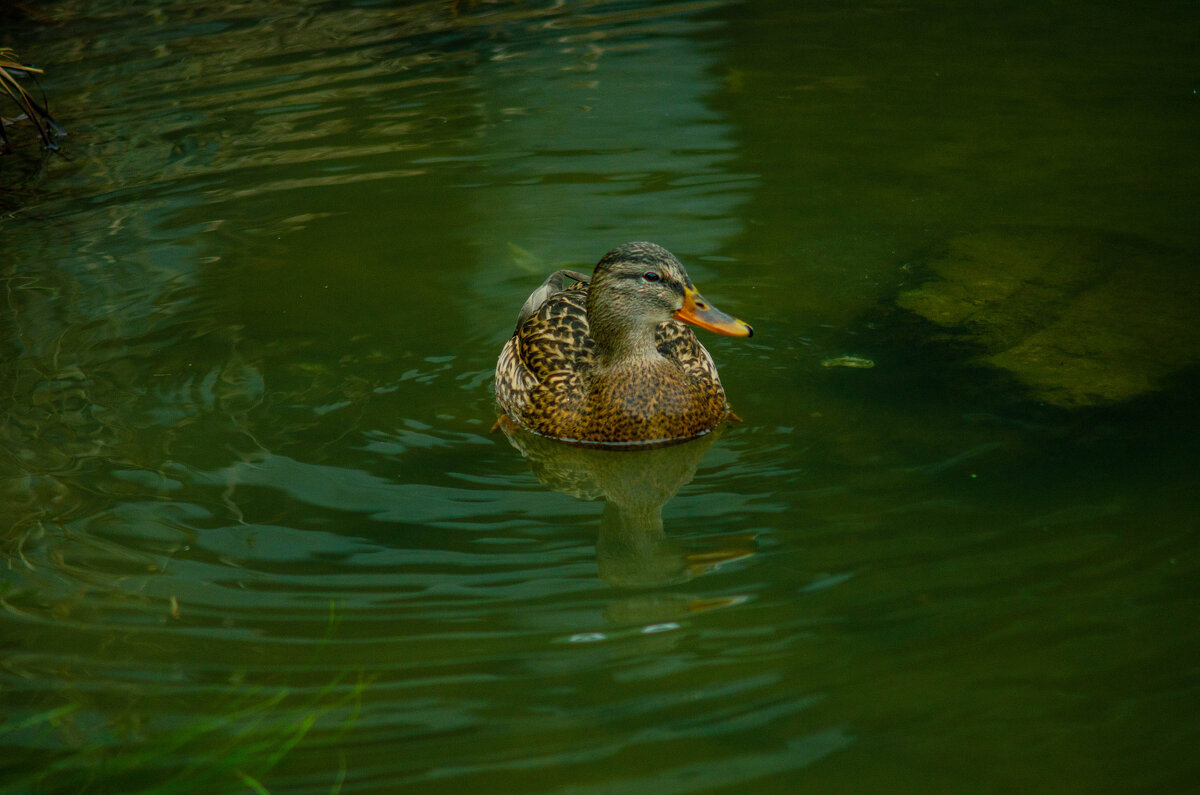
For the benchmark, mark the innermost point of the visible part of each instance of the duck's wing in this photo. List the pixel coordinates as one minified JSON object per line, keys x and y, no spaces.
{"x":555,"y":283}
{"x":545,"y":361}
{"x":555,"y":339}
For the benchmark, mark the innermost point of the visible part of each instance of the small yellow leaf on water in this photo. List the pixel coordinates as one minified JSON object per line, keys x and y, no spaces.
{"x":848,"y":361}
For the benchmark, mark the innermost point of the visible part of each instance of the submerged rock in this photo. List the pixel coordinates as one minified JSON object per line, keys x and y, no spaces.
{"x":1079,"y":317}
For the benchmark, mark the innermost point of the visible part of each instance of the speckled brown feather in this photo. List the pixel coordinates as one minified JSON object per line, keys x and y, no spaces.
{"x":548,"y":381}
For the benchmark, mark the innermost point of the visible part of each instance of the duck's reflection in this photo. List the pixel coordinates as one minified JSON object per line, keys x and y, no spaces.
{"x":632,"y":549}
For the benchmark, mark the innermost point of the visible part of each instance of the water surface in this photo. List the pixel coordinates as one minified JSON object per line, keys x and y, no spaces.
{"x":258,"y":533}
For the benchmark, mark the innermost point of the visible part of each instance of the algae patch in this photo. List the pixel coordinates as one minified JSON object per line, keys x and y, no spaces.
{"x":1080,"y":318}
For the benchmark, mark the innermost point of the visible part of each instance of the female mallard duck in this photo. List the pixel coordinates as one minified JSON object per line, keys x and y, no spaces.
{"x":607,"y":360}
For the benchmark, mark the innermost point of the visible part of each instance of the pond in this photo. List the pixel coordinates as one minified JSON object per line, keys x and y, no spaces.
{"x":259,"y":534}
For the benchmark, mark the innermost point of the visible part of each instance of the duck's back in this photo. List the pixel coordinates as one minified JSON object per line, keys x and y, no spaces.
{"x":548,"y":380}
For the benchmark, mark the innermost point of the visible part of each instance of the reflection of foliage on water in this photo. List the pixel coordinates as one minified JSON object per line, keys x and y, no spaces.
{"x":214,"y":95}
{"x":117,"y":367}
{"x":99,"y":403}
{"x":80,"y":411}
{"x":105,"y":396}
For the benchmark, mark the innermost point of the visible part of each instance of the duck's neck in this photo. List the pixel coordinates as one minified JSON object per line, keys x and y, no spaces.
{"x":618,"y":337}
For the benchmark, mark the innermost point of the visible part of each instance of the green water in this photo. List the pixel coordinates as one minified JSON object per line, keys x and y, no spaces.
{"x":257,"y":534}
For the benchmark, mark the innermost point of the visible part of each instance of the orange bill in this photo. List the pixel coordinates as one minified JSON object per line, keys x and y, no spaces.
{"x":700,"y":312}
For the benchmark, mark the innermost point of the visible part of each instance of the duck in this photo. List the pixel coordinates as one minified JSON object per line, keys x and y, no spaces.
{"x":610,"y":358}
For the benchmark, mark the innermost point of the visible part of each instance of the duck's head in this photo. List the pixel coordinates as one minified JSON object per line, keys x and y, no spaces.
{"x":639,"y":285}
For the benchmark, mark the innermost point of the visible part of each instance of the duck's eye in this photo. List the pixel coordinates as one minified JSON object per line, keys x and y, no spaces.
{"x":651,"y":276}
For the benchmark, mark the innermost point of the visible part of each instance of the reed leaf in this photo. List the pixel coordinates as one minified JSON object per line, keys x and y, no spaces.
{"x":36,"y":113}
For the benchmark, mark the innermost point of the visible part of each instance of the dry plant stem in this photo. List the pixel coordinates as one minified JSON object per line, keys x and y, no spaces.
{"x":36,"y":113}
